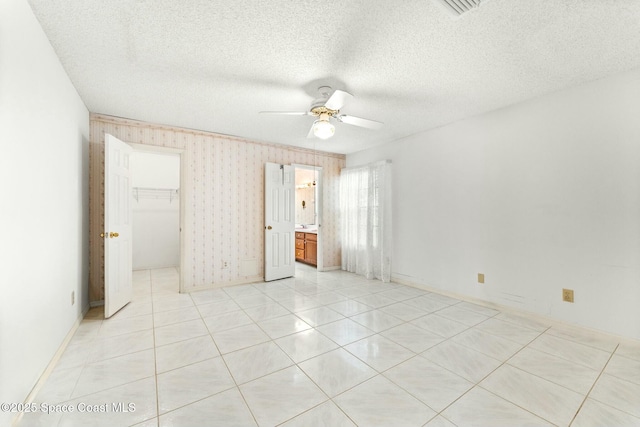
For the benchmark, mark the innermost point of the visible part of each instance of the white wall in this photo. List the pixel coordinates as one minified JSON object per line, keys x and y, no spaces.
{"x":304,"y":177}
{"x":539,"y":196}
{"x":153,"y":170}
{"x":307,"y":214}
{"x":44,"y":134}
{"x":156,"y":221}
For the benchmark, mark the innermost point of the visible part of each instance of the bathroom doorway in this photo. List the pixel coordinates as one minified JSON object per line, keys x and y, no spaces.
{"x":308,"y":215}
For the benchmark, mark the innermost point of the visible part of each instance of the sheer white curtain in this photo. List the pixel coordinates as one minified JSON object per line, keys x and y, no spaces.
{"x":365,"y":211}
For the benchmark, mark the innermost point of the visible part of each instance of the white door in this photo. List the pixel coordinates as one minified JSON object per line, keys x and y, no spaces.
{"x":279,"y":221}
{"x":117,"y":223}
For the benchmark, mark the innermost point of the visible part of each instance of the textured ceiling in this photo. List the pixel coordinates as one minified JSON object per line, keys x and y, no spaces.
{"x":213,"y":65}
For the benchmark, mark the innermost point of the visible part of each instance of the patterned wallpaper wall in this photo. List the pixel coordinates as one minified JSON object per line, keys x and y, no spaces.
{"x":223,"y":188}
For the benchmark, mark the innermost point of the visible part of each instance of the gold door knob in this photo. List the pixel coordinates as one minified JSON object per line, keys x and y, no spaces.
{"x":102,"y":235}
{"x":269,"y":227}
{"x":112,"y":235}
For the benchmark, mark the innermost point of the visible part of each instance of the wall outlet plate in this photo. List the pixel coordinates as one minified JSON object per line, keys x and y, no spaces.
{"x":480,"y":277}
{"x":567,"y":295}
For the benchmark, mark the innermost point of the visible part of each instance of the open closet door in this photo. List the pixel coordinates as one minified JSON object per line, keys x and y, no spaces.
{"x":279,"y":217}
{"x":117,"y":222}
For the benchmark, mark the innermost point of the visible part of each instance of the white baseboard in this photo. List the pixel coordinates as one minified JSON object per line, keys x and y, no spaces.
{"x":156,"y":267}
{"x":406,"y":280}
{"x":335,"y":267}
{"x":551,"y":321}
{"x":245,"y":281}
{"x":51,"y":366}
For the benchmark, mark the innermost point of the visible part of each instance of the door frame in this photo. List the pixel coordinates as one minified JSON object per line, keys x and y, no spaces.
{"x":319,"y":205}
{"x":154,"y":149}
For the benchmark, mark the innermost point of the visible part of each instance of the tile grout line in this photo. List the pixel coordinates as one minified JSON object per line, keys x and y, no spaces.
{"x":272,"y":340}
{"x":545,"y":379}
{"x":300,"y":290}
{"x":297,"y":364}
{"x":511,"y":357}
{"x":419,"y":354}
{"x":561,"y":356}
{"x":210,"y":358}
{"x":376,"y":333}
{"x":377,"y":373}
{"x":577,"y":341}
{"x":155,"y":359}
{"x":593,"y":385}
{"x":244,"y":399}
{"x":88,"y":362}
{"x":294,"y":363}
{"x":82,"y":370}
{"x":477,"y":383}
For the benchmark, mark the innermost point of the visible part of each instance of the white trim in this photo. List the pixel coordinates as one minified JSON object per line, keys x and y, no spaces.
{"x":484,"y":303}
{"x":335,"y":267}
{"x":51,"y":366}
{"x":156,"y":267}
{"x":503,"y":308}
{"x":155,"y":126}
{"x":98,"y":303}
{"x":251,"y":279}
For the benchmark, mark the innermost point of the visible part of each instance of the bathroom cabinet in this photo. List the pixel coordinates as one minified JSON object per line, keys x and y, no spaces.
{"x":307,"y":248}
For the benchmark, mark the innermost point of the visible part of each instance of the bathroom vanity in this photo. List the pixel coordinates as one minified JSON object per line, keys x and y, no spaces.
{"x":307,"y":246}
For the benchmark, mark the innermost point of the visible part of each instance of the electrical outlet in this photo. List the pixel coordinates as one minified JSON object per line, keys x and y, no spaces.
{"x":480,"y":277}
{"x":567,"y":295}
{"x":225,"y":264}
{"x":73,"y":297}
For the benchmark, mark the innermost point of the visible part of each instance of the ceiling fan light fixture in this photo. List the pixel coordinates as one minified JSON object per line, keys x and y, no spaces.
{"x":323,"y":129}
{"x":328,"y":107}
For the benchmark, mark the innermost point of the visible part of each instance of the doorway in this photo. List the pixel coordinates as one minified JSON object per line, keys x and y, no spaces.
{"x":157,"y":218}
{"x":308,"y":215}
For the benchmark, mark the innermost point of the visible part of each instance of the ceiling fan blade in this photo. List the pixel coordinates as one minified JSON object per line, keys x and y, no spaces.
{"x":358,"y":121}
{"x":288,"y":113}
{"x":337,"y":100}
{"x":311,"y":134}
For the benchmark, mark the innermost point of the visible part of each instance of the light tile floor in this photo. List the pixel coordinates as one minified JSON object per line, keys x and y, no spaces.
{"x":334,"y":349}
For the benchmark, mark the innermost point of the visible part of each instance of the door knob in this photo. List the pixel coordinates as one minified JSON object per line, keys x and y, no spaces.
{"x":112,"y":235}
{"x":102,"y":235}
{"x":269,"y":227}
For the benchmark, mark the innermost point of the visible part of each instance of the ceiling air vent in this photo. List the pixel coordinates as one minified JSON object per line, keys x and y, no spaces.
{"x":459,"y":7}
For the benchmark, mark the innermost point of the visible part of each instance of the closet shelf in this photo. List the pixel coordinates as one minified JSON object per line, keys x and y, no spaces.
{"x":155,"y":193}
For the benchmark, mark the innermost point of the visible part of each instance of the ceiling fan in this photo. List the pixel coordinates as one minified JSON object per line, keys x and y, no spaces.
{"x":326,"y":107}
